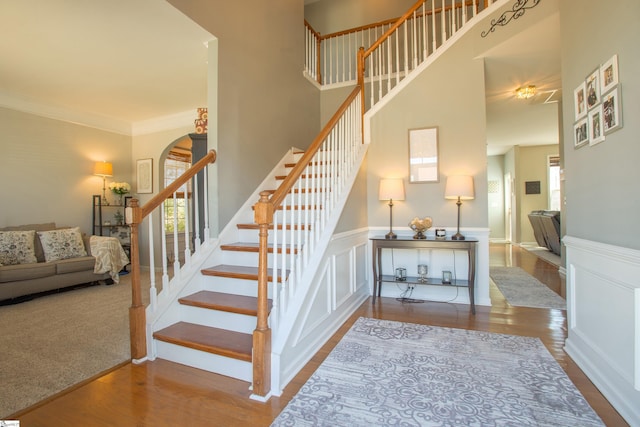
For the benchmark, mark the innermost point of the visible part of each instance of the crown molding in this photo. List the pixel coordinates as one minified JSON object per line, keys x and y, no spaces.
{"x":96,"y":121}
{"x":169,"y":122}
{"x":26,"y":105}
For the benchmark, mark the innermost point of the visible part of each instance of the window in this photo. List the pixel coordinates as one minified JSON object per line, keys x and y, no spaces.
{"x":554,"y":183}
{"x":177,"y":162}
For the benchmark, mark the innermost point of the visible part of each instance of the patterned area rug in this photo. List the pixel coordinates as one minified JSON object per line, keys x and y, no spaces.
{"x":523,"y":290}
{"x":386,"y":373}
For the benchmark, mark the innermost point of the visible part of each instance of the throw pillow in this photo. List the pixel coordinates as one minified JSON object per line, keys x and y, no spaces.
{"x":8,"y":259}
{"x":17,"y":247}
{"x":62,"y":244}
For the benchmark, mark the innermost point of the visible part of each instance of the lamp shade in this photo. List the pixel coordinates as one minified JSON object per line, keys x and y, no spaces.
{"x":391,"y":189}
{"x":459,"y":186}
{"x":103,"y":169}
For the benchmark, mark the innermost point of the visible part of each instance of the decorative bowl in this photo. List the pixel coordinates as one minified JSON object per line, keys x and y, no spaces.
{"x":420,"y":226}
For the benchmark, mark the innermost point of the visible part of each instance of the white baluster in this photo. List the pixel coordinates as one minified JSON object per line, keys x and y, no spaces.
{"x":443,"y":23}
{"x":205,"y":238}
{"x":433,"y":26}
{"x":163,"y":239}
{"x":425,"y":32}
{"x":153,"y":291}
{"x":187,"y":239}
{"x":176,"y":249}
{"x":406,"y":49}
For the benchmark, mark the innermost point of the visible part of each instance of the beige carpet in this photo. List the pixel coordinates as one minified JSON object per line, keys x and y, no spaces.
{"x":53,"y":342}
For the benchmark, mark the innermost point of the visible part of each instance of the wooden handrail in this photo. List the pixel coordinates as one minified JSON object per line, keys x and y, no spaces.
{"x":264,"y":216}
{"x":135,"y":216}
{"x":156,"y":200}
{"x":286,"y":185}
{"x":382,"y":23}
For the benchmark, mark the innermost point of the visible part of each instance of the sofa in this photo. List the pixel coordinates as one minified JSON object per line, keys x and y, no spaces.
{"x":37,"y":258}
{"x":546,"y":229}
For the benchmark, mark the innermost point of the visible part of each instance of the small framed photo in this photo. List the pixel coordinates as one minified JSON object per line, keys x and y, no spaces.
{"x":593,"y":89}
{"x":609,"y":74}
{"x":581,"y":133}
{"x":596,"y":131}
{"x":611,"y":114}
{"x":144,"y":176}
{"x":580,"y":101}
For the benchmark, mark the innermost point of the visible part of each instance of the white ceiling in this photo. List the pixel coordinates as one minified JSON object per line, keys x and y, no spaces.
{"x":117,"y":63}
{"x":112,"y":63}
{"x":532,"y":57}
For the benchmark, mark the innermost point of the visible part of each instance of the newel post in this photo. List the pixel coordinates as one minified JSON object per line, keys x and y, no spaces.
{"x":263,"y":215}
{"x":137,"y":316}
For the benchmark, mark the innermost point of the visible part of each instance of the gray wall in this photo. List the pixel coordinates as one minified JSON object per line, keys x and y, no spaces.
{"x":265,"y":105}
{"x":451,"y":90}
{"x":601,"y":181}
{"x":46,"y":168}
{"x":532,"y":164}
{"x":330,"y":16}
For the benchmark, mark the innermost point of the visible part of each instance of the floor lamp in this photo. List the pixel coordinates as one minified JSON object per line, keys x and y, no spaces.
{"x":103,"y":169}
{"x":459,"y":187}
{"x":391,"y":189}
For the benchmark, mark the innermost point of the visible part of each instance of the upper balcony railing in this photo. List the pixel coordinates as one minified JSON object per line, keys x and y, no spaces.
{"x":392,"y":48}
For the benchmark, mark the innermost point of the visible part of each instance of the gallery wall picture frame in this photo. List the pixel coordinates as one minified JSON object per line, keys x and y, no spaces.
{"x":423,"y":155}
{"x":611,"y":112}
{"x":581,"y":133}
{"x":596,"y":128}
{"x":609,"y":74}
{"x":593,"y":89}
{"x":580,"y":101}
{"x":144,"y":176}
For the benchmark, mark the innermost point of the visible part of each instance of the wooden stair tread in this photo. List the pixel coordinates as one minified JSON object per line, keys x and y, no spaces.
{"x":255,"y":247}
{"x":237,"y":272}
{"x":229,"y":303}
{"x":211,"y":340}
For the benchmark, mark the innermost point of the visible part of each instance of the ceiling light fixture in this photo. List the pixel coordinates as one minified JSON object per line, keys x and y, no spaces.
{"x":525,"y":92}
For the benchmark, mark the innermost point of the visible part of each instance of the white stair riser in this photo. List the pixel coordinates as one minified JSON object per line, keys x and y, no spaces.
{"x":218,"y":319}
{"x":206,"y":361}
{"x":228,"y":285}
{"x":252,"y":236}
{"x":246,"y":258}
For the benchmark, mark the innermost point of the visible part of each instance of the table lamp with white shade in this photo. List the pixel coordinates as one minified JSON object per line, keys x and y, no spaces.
{"x":391,"y":189}
{"x":459,"y":187}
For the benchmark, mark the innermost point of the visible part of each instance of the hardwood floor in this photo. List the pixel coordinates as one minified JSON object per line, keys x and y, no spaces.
{"x":161,"y":393}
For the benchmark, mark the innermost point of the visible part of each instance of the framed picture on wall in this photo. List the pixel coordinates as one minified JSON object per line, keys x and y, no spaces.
{"x":581,"y":133}
{"x":609,"y":74}
{"x":423,"y":155}
{"x":593,"y":89}
{"x":596,"y":131}
{"x":611,"y":114}
{"x":580,"y":101}
{"x":144,"y":176}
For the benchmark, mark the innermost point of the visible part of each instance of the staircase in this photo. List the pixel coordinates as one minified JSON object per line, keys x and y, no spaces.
{"x":256,"y":303}
{"x":216,"y":323}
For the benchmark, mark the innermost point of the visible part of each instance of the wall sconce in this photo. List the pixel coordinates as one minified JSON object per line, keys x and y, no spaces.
{"x":103,"y":169}
{"x":459,"y":187}
{"x":525,"y":92}
{"x":391,"y":189}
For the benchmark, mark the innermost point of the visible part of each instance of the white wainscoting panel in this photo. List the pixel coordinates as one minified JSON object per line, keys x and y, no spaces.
{"x":603,"y":316}
{"x":337,"y":290}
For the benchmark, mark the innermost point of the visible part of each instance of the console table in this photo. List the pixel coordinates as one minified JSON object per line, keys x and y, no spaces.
{"x":379,"y":243}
